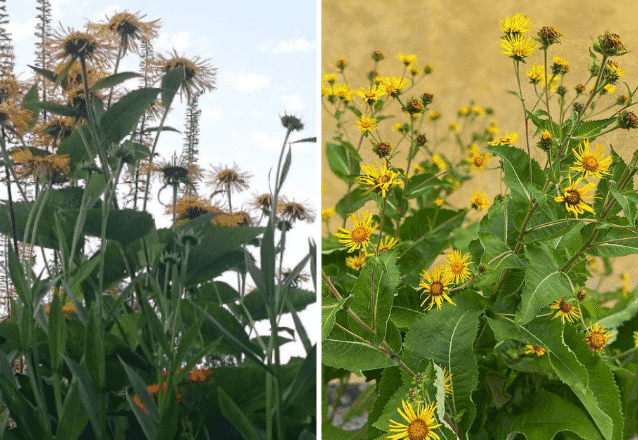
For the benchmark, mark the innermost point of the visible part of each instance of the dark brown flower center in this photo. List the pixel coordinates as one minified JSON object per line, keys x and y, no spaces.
{"x":590,"y":164}
{"x":572,"y":197}
{"x":418,"y":430}
{"x":436,"y":288}
{"x":359,"y":234}
{"x":565,"y":307}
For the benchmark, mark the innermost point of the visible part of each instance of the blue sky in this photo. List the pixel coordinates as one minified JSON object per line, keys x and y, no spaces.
{"x":266,"y":55}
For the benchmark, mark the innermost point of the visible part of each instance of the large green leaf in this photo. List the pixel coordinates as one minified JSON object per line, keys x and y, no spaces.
{"x":547,"y":415}
{"x":549,"y":334}
{"x":447,"y":337}
{"x":352,"y":355}
{"x":236,"y":416}
{"x":118,"y":225}
{"x":517,"y":170}
{"x":616,"y":319}
{"x":544,"y":282}
{"x":343,"y":160}
{"x":171,"y":82}
{"x":329,"y":310}
{"x":113,"y":80}
{"x":74,"y":417}
{"x":121,"y":118}
{"x":615,"y":242}
{"x":374,"y":291}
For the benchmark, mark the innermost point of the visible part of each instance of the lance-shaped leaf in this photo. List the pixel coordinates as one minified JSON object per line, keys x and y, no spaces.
{"x":544,"y":282}
{"x":343,"y":160}
{"x":548,"y":334}
{"x":113,"y":80}
{"x":617,"y":319}
{"x":235,"y":415}
{"x":329,"y":310}
{"x":121,"y":118}
{"x":373,"y":293}
{"x":516,"y":168}
{"x":447,"y":337}
{"x":548,"y":415}
{"x":353,"y":355}
{"x":615,"y":243}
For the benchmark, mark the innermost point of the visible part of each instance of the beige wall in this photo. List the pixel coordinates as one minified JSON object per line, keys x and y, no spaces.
{"x":462,"y":40}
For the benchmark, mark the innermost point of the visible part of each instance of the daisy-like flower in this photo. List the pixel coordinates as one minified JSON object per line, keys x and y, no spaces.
{"x":421,"y":424}
{"x":560,"y":66}
{"x":463,"y":111}
{"x":127,"y":29}
{"x":359,"y":236}
{"x":343,"y":92}
{"x":415,"y":70}
{"x":199,"y":75}
{"x":608,"y":89}
{"x":176,"y":171}
{"x":357,"y":262}
{"x":531,"y":349}
{"x":418,"y":169}
{"x":473,"y":150}
{"x":478,"y":111}
{"x":591,"y":164}
{"x":439,"y":162}
{"x":232,"y":220}
{"x":439,"y":202}
{"x":435,"y":285}
{"x":580,"y":293}
{"x":229,"y":179}
{"x":508,"y":139}
{"x":52,"y":132}
{"x":636,"y":339}
{"x":456,"y":183}
{"x":366,"y":124}
{"x":87,"y":46}
{"x":597,"y":337}
{"x":13,"y":117}
{"x":518,"y":47}
{"x":407,"y":59}
{"x":10,"y":88}
{"x":536,"y":74}
{"x":200,"y":376}
{"x":387,"y":243}
{"x":394,"y":86}
{"x":612,"y":72}
{"x":479,"y":200}
{"x":326,"y":214}
{"x":457,"y":266}
{"x":478,"y":162}
{"x":518,"y":24}
{"x":371,"y":95}
{"x":454,"y":126}
{"x":574,"y":198}
{"x":191,"y":206}
{"x":53,"y":166}
{"x":327,"y":91}
{"x":546,"y":140}
{"x":565,"y":310}
{"x":434,"y":115}
{"x":72,"y":76}
{"x":292,"y":211}
{"x":264,"y":201}
{"x":330,"y":78}
{"x":379,"y":181}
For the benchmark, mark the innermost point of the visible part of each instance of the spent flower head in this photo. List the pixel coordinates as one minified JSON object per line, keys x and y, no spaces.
{"x":548,"y":36}
{"x":127,"y":29}
{"x":610,"y":44}
{"x":199,"y":75}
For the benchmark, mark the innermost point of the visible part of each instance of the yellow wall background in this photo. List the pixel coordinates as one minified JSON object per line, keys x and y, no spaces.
{"x":461,"y":39}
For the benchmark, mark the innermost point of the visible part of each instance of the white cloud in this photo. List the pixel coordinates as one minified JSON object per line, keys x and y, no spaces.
{"x":180,"y":41}
{"x":247,"y":81}
{"x":108,"y":11}
{"x":257,"y":114}
{"x":293,"y":45}
{"x":211,"y":114}
{"x":293,"y":102}
{"x":21,"y":30}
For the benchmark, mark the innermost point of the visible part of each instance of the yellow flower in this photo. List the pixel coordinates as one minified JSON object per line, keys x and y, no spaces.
{"x":191,"y":206}
{"x":394,"y":86}
{"x":518,"y":24}
{"x":536,"y":73}
{"x":478,"y":162}
{"x":478,"y":111}
{"x":418,"y":169}
{"x":625,"y":284}
{"x":612,"y":72}
{"x":323,"y":187}
{"x":591,"y":164}
{"x":379,"y":181}
{"x":366,"y":124}
{"x":479,"y":200}
{"x":387,"y":243}
{"x":421,"y":424}
{"x":591,"y":262}
{"x":415,"y":70}
{"x":357,"y":262}
{"x":327,"y":213}
{"x":560,"y":66}
{"x":565,"y":310}
{"x":447,"y":381}
{"x":608,"y":89}
{"x":574,"y":197}
{"x":457,"y":266}
{"x":397,"y":127}
{"x":326,"y":91}
{"x":330,"y":77}
{"x":531,"y":349}
{"x":435,"y":286}
{"x":597,"y":337}
{"x":508,"y":139}
{"x":434,"y":115}
{"x":464,"y":111}
{"x":199,"y":75}
{"x":636,"y":339}
{"x":518,"y":47}
{"x":407,"y":59}
{"x":454,"y":127}
{"x":371,"y":95}
{"x":456,"y":184}
{"x":439,"y":202}
{"x":473,"y":150}
{"x":439,"y":162}
{"x":359,"y":236}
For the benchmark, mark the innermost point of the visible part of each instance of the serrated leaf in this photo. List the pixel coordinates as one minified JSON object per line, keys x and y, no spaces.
{"x":352,"y":355}
{"x":628,"y":206}
{"x":547,"y":415}
{"x":516,"y":168}
{"x":121,"y":118}
{"x":617,"y":319}
{"x":329,"y":314}
{"x":447,"y":336}
{"x":615,"y":242}
{"x":544,"y":282}
{"x":373,"y":307}
{"x":343,"y":160}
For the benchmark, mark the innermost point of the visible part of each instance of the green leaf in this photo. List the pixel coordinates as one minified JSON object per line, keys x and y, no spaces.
{"x":305,"y":380}
{"x":268,"y":257}
{"x":615,"y":242}
{"x":329,"y":314}
{"x":615,"y":320}
{"x":516,"y":168}
{"x":359,"y":196}
{"x":549,"y":334}
{"x":447,"y":337}
{"x":627,"y":202}
{"x":56,"y":334}
{"x":543,"y":124}
{"x":18,"y":279}
{"x":121,"y":118}
{"x":373,"y":307}
{"x":420,"y":184}
{"x":591,"y":129}
{"x":147,"y":419}
{"x":113,"y":80}
{"x":74,"y":416}
{"x":55,"y":108}
{"x":544,"y":282}
{"x":87,"y":392}
{"x":343,"y":160}
{"x":48,"y":74}
{"x":171,"y":83}
{"x":143,"y":222}
{"x":352,"y":355}
{"x":547,"y":415}
{"x":235,"y":415}
{"x":388,"y":385}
